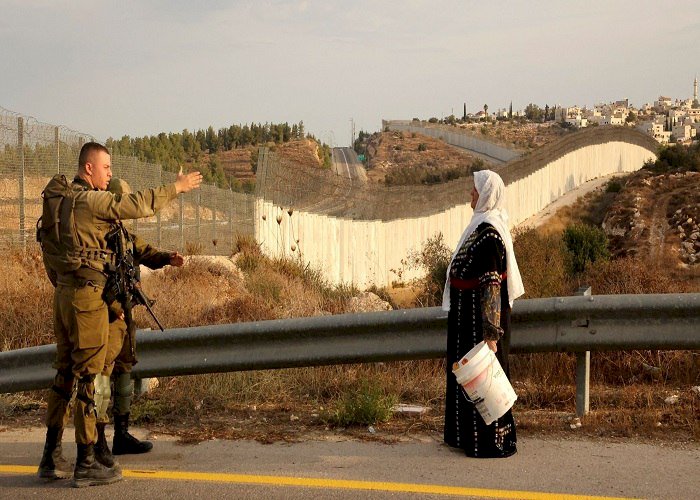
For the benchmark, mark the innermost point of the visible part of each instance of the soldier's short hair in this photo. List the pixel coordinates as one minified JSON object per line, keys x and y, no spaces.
{"x":88,"y":149}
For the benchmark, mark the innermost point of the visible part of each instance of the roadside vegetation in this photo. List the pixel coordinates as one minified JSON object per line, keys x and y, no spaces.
{"x":645,"y":394}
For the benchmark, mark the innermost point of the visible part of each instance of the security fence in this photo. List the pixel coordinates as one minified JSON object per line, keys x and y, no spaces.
{"x":207,"y":220}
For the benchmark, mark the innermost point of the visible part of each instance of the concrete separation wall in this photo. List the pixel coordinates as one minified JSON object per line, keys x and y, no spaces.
{"x":370,"y":251}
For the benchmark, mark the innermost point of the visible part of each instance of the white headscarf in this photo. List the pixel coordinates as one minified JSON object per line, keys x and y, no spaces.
{"x":490,"y":208}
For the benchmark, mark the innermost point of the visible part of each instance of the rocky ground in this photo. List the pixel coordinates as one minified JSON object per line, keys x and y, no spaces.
{"x":658,"y":216}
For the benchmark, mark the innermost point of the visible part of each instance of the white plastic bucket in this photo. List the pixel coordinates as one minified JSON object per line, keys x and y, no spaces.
{"x":485,"y":383}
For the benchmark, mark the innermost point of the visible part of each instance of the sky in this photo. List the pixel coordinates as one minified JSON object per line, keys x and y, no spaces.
{"x":142,"y":67}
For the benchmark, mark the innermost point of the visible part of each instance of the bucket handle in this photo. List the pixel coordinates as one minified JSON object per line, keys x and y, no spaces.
{"x":477,"y":401}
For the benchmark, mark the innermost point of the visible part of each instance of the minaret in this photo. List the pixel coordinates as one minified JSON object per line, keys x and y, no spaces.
{"x":695,"y":93}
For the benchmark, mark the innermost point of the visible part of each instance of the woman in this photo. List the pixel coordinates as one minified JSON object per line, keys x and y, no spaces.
{"x":482,"y":281}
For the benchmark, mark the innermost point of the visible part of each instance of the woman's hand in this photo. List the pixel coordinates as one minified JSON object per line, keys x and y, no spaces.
{"x":492,"y":345}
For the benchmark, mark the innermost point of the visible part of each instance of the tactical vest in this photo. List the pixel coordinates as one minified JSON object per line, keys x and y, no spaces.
{"x":56,"y":231}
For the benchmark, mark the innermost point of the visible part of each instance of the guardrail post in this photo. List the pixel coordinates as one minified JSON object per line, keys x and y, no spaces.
{"x":583,"y":371}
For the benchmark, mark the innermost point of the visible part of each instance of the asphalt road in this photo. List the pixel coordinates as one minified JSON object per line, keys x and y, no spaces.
{"x":418,"y":468}
{"x":346,"y":164}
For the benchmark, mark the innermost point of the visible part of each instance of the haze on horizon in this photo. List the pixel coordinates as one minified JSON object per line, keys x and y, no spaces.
{"x":112,"y":68}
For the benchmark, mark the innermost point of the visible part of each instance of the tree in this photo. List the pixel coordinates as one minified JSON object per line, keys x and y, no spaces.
{"x":464,"y":116}
{"x":510,"y":111}
{"x":533,"y":112}
{"x":486,"y":111}
{"x":546,"y":112}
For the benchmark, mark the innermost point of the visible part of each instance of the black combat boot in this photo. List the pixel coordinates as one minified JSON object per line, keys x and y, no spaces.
{"x":90,"y":472}
{"x":53,"y":465}
{"x":102,"y":452}
{"x":124,"y":443}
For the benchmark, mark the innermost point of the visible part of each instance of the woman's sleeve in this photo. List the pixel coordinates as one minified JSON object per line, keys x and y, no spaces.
{"x":488,"y":261}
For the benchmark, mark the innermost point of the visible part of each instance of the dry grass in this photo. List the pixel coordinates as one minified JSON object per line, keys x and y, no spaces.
{"x":27,"y":295}
{"x":627,"y":398}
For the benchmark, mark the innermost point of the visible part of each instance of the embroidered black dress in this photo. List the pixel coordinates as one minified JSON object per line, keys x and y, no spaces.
{"x":479,"y":310}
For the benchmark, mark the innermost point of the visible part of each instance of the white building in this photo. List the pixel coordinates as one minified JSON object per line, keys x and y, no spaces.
{"x":656,"y":130}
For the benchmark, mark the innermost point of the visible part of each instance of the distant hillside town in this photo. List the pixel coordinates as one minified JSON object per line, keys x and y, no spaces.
{"x":667,"y":120}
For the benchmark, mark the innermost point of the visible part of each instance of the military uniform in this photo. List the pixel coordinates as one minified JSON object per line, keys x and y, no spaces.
{"x":121,"y":356}
{"x":81,"y":318}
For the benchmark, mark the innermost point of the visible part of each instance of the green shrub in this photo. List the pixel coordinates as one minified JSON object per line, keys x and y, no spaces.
{"x":542,"y":259}
{"x":433,"y":259}
{"x":422,"y":146}
{"x":585,"y":244}
{"x":366,"y":404}
{"x":613,"y":187}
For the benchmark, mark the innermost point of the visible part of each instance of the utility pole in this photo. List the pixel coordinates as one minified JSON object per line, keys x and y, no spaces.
{"x":352,"y":133}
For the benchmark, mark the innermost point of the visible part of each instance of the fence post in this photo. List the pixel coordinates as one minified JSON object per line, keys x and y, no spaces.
{"x":57,"y":143}
{"x":159,"y":223}
{"x":214,"y":207}
{"x":135,"y":168}
{"x":198,"y":216}
{"x":182,"y":223}
{"x":583,"y":371}
{"x":20,"y":147}
{"x":230,"y":218}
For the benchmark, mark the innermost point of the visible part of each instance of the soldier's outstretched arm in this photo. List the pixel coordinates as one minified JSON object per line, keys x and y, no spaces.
{"x":145,"y":203}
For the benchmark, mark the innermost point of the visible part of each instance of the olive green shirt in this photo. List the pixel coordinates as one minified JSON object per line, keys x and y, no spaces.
{"x":95,"y":211}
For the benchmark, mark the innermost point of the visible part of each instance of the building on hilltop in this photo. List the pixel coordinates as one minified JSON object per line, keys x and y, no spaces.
{"x":657,"y":129}
{"x":574,"y":116}
{"x":663,"y":104}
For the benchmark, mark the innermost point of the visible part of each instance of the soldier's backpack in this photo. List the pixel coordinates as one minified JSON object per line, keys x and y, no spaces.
{"x":55,"y":229}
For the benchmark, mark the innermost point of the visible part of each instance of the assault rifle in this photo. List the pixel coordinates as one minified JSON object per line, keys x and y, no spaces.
{"x":124,"y":284}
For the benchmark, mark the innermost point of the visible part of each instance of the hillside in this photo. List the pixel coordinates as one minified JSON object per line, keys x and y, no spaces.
{"x":517,"y":135}
{"x":401,"y":158}
{"x":237,"y":164}
{"x":656,"y":217}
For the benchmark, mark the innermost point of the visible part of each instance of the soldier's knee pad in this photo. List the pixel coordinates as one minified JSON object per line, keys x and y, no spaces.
{"x":86,"y":393}
{"x":123,"y":392}
{"x":123,"y":384}
{"x":103,"y":392}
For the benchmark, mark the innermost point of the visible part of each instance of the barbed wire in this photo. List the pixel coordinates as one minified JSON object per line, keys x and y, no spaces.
{"x":208,"y":223}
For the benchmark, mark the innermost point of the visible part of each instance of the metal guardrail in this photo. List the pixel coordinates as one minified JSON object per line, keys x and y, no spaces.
{"x":560,"y":324}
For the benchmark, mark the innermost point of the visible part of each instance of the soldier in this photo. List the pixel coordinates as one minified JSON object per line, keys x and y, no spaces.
{"x":72,"y":230}
{"x":121,"y":349}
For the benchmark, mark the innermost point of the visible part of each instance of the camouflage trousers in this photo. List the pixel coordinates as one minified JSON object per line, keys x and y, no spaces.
{"x":81,"y":326}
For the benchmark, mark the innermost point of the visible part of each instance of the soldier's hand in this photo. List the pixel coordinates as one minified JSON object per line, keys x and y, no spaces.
{"x":187,"y":182}
{"x":176,"y":259}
